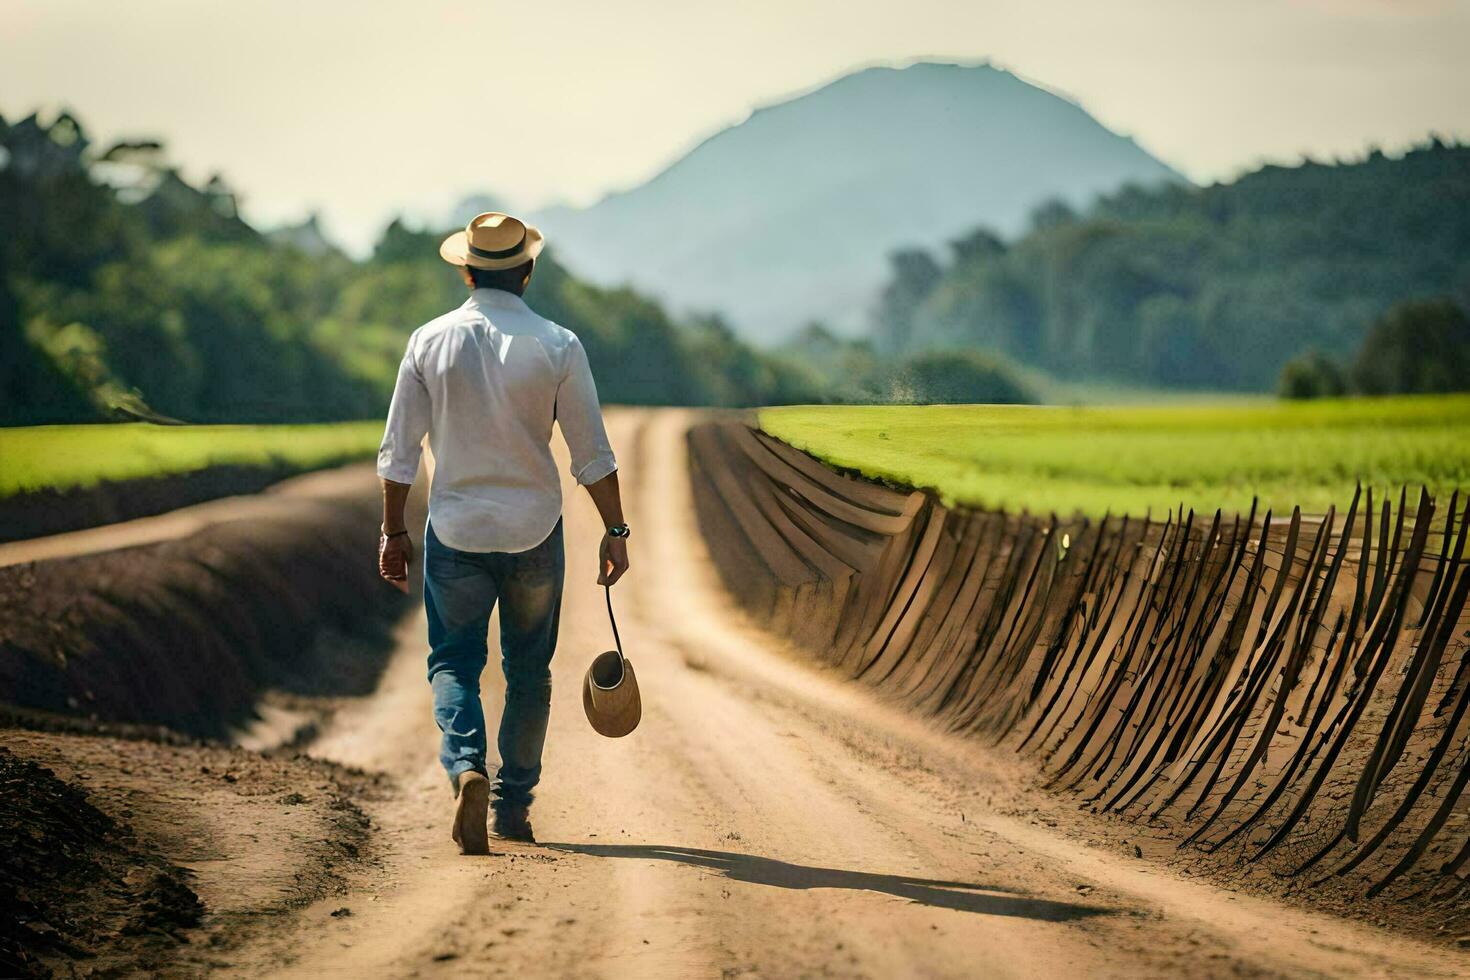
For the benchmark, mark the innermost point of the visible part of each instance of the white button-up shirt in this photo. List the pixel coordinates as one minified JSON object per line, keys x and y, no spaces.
{"x":485,"y":382}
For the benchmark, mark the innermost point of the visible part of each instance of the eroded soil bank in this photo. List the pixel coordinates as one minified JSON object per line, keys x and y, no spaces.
{"x":1277,"y":702}
{"x":189,"y":633}
{"x":31,"y":515}
{"x":135,"y":838}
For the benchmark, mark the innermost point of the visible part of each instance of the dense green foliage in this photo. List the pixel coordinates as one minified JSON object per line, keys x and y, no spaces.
{"x":64,"y":457}
{"x":851,"y":372}
{"x":1312,"y":375}
{"x":1130,"y":460}
{"x":1417,"y":347}
{"x":126,"y":291}
{"x":1215,"y":287}
{"x":954,"y":378}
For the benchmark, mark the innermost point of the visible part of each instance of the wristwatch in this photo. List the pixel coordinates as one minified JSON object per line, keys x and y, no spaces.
{"x":618,"y":531}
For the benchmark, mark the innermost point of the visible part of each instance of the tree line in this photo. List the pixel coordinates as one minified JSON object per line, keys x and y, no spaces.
{"x":1216,"y":287}
{"x":127,"y":292}
{"x":1418,"y":346}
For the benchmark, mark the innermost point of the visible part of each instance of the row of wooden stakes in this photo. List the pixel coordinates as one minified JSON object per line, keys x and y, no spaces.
{"x":1288,"y":688}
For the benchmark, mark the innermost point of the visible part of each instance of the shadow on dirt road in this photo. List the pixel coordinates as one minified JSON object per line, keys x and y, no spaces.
{"x":958,"y":895}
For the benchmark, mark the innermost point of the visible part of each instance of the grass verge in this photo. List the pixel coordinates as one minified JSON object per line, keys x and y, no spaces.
{"x":1135,"y":459}
{"x":70,"y":457}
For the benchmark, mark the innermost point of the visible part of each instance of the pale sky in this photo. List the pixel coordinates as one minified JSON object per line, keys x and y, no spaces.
{"x":364,"y":109}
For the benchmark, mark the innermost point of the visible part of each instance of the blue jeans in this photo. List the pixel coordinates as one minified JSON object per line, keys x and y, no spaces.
{"x":460,"y":591}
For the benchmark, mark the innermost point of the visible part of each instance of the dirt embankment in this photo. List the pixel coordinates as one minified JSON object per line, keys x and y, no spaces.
{"x":189,"y":633}
{"x":31,"y":515}
{"x":133,"y":839}
{"x":1277,"y":702}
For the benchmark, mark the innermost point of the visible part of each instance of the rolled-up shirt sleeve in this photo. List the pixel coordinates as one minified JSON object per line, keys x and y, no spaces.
{"x":408,"y":423}
{"x":580,"y":418}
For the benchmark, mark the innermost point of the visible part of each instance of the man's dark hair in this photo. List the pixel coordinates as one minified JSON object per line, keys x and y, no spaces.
{"x":509,"y":280}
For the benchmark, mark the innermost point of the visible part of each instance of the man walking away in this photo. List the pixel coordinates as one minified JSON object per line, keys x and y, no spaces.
{"x":484,"y":383}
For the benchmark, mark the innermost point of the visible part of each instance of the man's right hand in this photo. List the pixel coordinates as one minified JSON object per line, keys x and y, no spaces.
{"x":613,"y":559}
{"x":395,"y":554}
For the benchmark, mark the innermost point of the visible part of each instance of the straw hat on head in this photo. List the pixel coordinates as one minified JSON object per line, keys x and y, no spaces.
{"x":493,"y":241}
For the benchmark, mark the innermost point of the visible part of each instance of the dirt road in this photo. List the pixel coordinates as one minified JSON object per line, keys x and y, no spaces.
{"x":764,"y":820}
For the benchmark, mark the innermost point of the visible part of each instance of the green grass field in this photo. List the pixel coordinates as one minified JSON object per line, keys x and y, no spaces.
{"x":63,"y":457}
{"x":1129,"y":460}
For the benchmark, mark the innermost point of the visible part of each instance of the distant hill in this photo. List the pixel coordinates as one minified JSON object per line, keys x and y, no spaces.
{"x":789,"y":216}
{"x":1200,"y":287}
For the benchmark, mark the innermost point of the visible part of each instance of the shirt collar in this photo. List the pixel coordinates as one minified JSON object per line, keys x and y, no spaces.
{"x":495,"y":297}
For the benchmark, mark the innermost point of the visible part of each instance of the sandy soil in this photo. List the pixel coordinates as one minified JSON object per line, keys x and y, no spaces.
{"x":766,"y":819}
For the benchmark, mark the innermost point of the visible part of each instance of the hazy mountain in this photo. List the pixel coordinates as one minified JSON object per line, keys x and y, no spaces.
{"x":467,"y":207}
{"x":790,"y":215}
